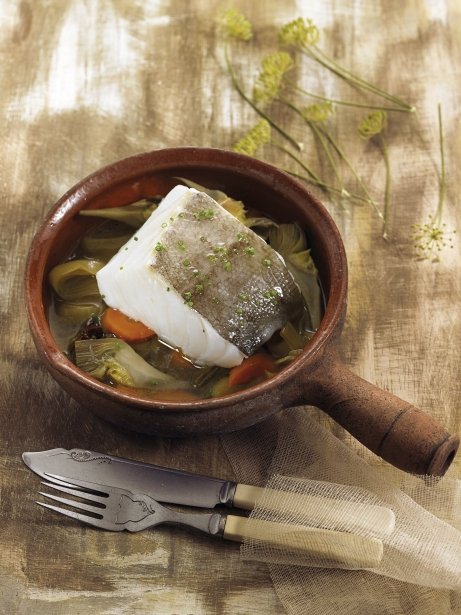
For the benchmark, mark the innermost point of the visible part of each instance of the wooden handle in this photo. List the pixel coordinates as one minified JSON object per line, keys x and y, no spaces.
{"x":319,"y":511}
{"x":327,"y":548}
{"x":395,"y":430}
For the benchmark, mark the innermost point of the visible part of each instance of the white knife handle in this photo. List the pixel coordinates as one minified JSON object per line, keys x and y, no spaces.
{"x":326,"y":547}
{"x":319,"y":511}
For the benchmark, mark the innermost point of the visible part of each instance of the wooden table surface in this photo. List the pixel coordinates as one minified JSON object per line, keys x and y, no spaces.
{"x":86,"y":83}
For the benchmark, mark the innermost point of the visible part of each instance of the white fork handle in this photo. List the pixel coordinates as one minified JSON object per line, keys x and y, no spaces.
{"x":319,"y":511}
{"x":325,"y":548}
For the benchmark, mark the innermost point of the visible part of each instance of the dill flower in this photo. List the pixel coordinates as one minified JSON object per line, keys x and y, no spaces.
{"x":257,"y":136}
{"x":318,"y":112}
{"x":431,"y":238}
{"x":373,"y":124}
{"x":270,"y":79}
{"x":234,"y":24}
{"x":299,"y":33}
{"x":304,"y":35}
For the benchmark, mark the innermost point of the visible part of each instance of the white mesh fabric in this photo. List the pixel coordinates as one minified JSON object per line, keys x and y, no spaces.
{"x":295,"y":453}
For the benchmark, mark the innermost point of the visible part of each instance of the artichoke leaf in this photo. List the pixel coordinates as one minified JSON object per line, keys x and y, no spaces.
{"x":303,"y":261}
{"x":293,"y":338}
{"x":236,"y":208}
{"x":132,"y":214}
{"x":105,"y":240}
{"x":122,"y":364}
{"x":260,"y":222}
{"x":77,"y":312}
{"x":289,"y":240}
{"x":75,"y":280}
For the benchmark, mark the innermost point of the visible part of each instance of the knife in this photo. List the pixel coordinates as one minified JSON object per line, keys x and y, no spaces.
{"x":180,"y":487}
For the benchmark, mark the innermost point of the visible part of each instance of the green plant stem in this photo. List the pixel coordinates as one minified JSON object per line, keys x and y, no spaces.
{"x":326,"y":187}
{"x":387,"y":189}
{"x":324,"y":135}
{"x":321,"y":139}
{"x":311,"y":174}
{"x":317,"y":55}
{"x":370,"y":200}
{"x":442,"y":181}
{"x":344,"y":103}
{"x":324,"y":142}
{"x":247,"y":99}
{"x":312,"y":177}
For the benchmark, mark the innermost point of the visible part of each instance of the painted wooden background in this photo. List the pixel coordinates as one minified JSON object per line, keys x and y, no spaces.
{"x":84,"y":83}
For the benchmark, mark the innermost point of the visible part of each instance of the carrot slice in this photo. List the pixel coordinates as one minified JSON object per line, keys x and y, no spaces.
{"x":253,"y":367}
{"x":132,"y":331}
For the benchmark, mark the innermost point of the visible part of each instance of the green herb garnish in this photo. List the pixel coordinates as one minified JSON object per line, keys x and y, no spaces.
{"x":204,"y":214}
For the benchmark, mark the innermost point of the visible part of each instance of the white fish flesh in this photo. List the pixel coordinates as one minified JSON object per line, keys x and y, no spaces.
{"x":202,"y":280}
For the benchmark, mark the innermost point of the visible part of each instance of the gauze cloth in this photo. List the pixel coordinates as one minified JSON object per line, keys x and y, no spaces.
{"x":300,"y":451}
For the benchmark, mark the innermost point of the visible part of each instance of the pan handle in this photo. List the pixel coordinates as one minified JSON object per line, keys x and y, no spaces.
{"x":403,"y":435}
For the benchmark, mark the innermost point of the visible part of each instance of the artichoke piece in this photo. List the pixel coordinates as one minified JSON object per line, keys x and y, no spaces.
{"x":133,"y":214}
{"x":104,"y":240}
{"x":292,"y":337}
{"x":236,"y":208}
{"x":114,"y":360}
{"x":260,"y":222}
{"x":260,"y":225}
{"x":75,"y":280}
{"x":78,"y":312}
{"x":290,"y":242}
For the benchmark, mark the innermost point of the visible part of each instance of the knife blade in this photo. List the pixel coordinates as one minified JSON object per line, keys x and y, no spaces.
{"x":174,"y":486}
{"x":164,"y":484}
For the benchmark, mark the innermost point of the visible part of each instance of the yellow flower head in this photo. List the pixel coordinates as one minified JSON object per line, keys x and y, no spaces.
{"x":254,"y":138}
{"x":431,"y":238}
{"x":373,"y":124}
{"x":270,"y":78}
{"x":318,"y":112}
{"x":301,"y":32}
{"x":234,"y":24}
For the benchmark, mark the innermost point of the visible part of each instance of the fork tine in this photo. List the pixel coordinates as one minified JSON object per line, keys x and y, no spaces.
{"x":101,"y":523}
{"x":92,"y":497}
{"x":80,"y":505}
{"x":74,"y":515}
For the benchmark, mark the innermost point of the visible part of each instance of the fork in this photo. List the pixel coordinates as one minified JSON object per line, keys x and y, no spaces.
{"x":115,"y":509}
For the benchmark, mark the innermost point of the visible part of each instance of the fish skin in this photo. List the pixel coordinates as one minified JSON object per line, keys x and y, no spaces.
{"x":227,"y":273}
{"x":206,"y":271}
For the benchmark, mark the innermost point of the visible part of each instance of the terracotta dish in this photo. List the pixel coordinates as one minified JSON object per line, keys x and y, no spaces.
{"x":394,"y":429}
